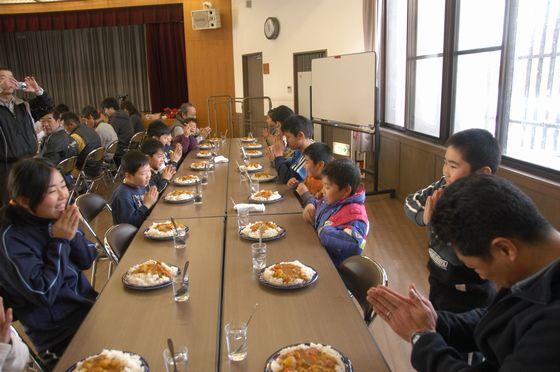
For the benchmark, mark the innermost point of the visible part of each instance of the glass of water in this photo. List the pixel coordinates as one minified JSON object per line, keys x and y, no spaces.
{"x":204,"y":177}
{"x":242,"y":218}
{"x":181,"y":359}
{"x":198,"y":194}
{"x":236,"y":341}
{"x":254,"y":186}
{"x":180,"y":287}
{"x":258,"y":254}
{"x":180,"y":238}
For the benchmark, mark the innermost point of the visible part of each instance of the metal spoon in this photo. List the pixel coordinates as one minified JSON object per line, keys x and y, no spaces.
{"x":185,"y":268}
{"x":172,"y":352}
{"x":247,"y":325}
{"x":174,"y":224}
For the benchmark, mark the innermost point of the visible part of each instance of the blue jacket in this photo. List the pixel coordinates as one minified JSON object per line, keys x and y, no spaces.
{"x":41,"y":278}
{"x":290,"y":167}
{"x":128,"y":206}
{"x":342,"y":226}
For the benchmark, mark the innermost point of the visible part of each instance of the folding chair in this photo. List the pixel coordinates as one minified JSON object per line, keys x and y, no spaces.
{"x":96,"y":155}
{"x":360,"y":273}
{"x":117,"y":240}
{"x":90,"y":206}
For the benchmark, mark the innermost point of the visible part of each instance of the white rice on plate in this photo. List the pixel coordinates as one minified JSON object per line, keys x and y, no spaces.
{"x":143,"y":279}
{"x":278,"y":366}
{"x":130,"y":362}
{"x":187,"y":180}
{"x":179,"y":195}
{"x":251,"y":167}
{"x":162,"y":229}
{"x":270,"y":231}
{"x":270,"y":275}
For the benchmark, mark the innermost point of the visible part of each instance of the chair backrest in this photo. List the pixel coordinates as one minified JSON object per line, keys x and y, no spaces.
{"x":95,"y":155}
{"x":67,"y":165}
{"x":136,"y":140}
{"x":117,"y":240}
{"x":360,"y":273}
{"x":111,"y":148}
{"x":90,"y":205}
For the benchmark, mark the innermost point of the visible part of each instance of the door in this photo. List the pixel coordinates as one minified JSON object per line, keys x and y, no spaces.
{"x":253,"y":109}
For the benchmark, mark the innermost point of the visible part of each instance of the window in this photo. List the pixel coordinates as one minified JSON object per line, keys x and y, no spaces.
{"x":452,"y":65}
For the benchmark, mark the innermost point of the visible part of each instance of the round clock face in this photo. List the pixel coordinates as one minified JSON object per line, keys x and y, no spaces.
{"x":271,"y":28}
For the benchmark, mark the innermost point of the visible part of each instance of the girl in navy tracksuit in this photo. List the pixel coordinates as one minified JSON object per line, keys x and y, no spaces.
{"x":42,"y":255}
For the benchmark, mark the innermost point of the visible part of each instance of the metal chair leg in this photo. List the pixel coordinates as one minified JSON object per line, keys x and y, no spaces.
{"x":94,"y":272}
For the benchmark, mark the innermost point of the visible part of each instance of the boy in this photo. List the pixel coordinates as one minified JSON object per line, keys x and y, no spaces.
{"x":298,"y":131}
{"x":316,"y":157}
{"x":120,"y":121}
{"x":498,"y":231}
{"x":93,"y":120}
{"x":160,"y":131}
{"x":340,"y":217}
{"x":453,"y":286}
{"x":132,"y":200}
{"x":87,"y":141}
{"x":187,"y":139}
{"x":274,"y":120}
{"x":161,"y":174}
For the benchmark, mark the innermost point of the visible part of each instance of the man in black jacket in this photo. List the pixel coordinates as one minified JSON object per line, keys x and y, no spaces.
{"x":57,"y":144}
{"x":498,"y":231}
{"x":120,"y":121}
{"x":87,"y":141}
{"x":17,"y":134}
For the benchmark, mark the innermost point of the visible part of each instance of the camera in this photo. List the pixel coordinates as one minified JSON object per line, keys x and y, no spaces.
{"x":21,"y":85}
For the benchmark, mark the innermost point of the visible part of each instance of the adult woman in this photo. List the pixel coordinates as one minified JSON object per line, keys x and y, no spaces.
{"x":135,"y":116}
{"x":42,"y":255}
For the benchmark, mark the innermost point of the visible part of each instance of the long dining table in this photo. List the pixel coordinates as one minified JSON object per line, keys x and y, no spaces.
{"x":224,"y":289}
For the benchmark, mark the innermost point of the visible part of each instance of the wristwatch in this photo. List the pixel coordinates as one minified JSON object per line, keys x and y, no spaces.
{"x":416,"y":336}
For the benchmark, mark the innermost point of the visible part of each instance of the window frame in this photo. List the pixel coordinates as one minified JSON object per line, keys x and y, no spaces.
{"x":449,"y":75}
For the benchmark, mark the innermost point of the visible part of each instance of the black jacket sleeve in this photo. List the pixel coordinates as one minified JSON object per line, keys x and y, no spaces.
{"x":284,"y":169}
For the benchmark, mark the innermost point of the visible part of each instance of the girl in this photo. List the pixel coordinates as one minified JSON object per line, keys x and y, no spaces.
{"x":42,"y":255}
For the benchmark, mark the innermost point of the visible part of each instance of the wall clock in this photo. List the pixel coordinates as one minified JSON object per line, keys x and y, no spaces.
{"x":271,"y":28}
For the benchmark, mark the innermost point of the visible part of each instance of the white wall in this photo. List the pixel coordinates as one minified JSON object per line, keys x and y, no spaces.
{"x":305,"y":25}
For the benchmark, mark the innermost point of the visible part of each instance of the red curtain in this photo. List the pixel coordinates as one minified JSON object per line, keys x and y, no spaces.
{"x":165,"y":45}
{"x":165,"y":41}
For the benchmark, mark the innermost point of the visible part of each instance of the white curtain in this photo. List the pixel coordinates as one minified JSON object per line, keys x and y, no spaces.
{"x":369,"y":24}
{"x":80,"y":67}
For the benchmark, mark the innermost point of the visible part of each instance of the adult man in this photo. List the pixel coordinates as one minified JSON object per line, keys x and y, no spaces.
{"x":87,"y":141}
{"x":17,"y":133}
{"x":120,"y":121}
{"x":186,"y":111}
{"x":57,"y":144}
{"x":498,"y":231}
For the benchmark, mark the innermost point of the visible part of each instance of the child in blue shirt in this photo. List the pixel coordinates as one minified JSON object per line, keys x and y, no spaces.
{"x":160,"y":131}
{"x":340,"y":217}
{"x":298,"y":131}
{"x":132,"y":200}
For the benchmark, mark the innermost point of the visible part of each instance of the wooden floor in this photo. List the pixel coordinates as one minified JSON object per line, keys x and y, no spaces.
{"x":393,"y":241}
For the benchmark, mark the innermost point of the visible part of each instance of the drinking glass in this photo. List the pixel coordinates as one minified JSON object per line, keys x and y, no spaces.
{"x":242,"y":217}
{"x":258,"y":255}
{"x":198,"y":194}
{"x":204,"y":177}
{"x":180,"y":287}
{"x":254,"y":186}
{"x":180,"y":238}
{"x":181,"y":359}
{"x":236,"y":341}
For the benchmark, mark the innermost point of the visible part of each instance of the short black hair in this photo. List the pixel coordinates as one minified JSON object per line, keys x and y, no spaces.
{"x":152,"y":146}
{"x":297,"y":123}
{"x":281,"y":113}
{"x":133,"y":160}
{"x":474,"y":210}
{"x":90,"y":111}
{"x":158,"y":128}
{"x":70,"y":117}
{"x":31,"y":178}
{"x":61,"y":108}
{"x":110,"y":102}
{"x":319,"y":151}
{"x":343,"y":172}
{"x":129,"y":106}
{"x":478,"y":147}
{"x":188,"y":120}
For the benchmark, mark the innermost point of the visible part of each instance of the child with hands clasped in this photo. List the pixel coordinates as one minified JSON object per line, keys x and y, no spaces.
{"x":340,"y":217}
{"x":133,"y":199}
{"x":316,"y":156}
{"x":161,"y":174}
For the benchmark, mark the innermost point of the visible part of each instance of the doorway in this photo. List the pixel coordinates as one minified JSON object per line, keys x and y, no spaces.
{"x":253,"y":109}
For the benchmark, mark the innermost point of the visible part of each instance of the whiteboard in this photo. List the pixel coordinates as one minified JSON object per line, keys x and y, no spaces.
{"x":344,"y":88}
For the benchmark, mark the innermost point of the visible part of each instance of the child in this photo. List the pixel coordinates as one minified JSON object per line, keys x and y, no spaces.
{"x":340,"y":217}
{"x":187,"y":139}
{"x":298,"y":131}
{"x":160,"y":131}
{"x":316,"y":157}
{"x":132,"y":200}
{"x":161,"y":174}
{"x":453,"y":286}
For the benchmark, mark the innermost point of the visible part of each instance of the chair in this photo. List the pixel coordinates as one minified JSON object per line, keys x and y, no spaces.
{"x":66,"y":167}
{"x":96,"y":155}
{"x":90,"y":206}
{"x":117,"y":240}
{"x":136,"y":141}
{"x":109,"y":166}
{"x":35,"y":359}
{"x":360,"y":273}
